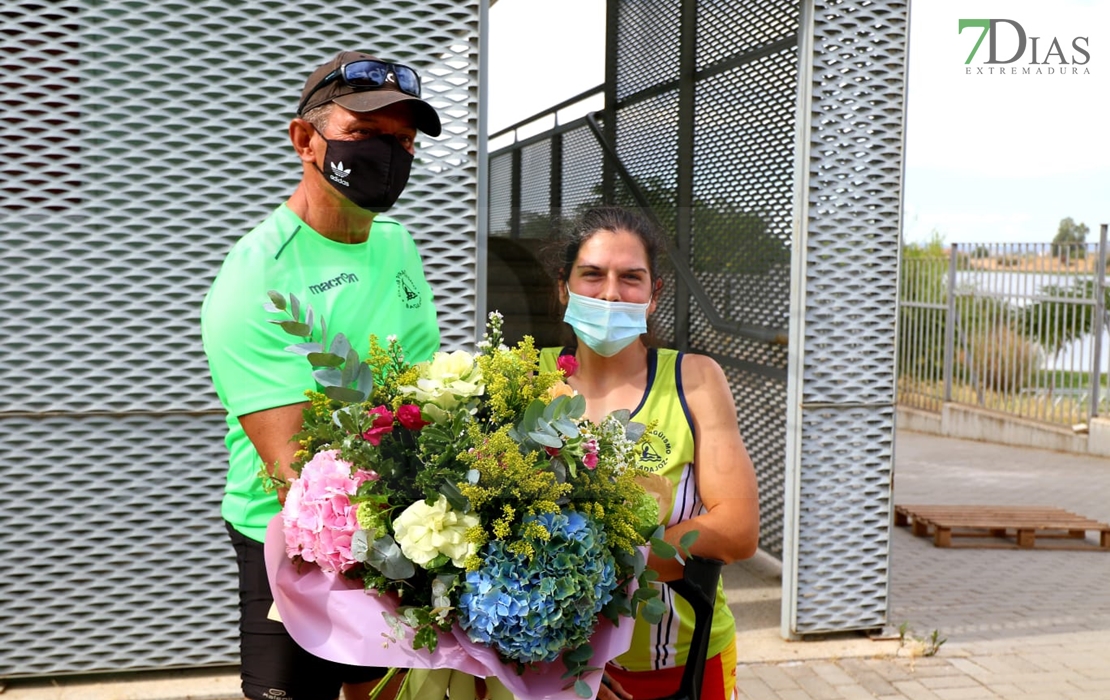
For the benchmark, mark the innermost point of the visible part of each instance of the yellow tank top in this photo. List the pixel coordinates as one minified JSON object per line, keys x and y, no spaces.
{"x":669,"y":451}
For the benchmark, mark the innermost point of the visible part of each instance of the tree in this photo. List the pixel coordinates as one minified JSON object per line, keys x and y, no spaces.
{"x":1071,"y":240}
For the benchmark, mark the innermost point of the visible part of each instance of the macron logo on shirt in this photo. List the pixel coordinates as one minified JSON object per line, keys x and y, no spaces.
{"x":337,"y":281}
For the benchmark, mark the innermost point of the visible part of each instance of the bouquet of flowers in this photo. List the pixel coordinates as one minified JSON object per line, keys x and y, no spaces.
{"x":471,"y":493}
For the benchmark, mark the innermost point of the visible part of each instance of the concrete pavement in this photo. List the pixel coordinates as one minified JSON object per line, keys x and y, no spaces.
{"x":1019,"y":625}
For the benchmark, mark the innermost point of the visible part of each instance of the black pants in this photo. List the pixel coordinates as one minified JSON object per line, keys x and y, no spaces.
{"x":272,"y":665}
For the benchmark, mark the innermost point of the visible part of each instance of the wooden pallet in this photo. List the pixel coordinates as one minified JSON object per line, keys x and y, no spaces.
{"x":1003,"y":527}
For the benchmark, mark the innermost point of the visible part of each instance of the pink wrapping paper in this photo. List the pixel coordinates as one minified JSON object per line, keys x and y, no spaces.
{"x":336,"y":619}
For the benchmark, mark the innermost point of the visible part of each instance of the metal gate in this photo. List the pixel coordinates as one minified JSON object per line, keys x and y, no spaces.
{"x":140,"y":139}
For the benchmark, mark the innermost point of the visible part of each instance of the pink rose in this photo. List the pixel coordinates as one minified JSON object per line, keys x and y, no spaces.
{"x":590,"y":460}
{"x":383,"y":425}
{"x":568,"y":364}
{"x":409,"y":416}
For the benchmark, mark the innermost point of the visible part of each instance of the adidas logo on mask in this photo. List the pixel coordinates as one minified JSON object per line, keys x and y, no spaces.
{"x":338,"y":174}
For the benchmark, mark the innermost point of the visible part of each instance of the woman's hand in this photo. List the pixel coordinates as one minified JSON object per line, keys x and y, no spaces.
{"x":611,"y":690}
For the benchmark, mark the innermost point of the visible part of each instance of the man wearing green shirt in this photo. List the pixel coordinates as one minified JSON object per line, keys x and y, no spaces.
{"x":329,"y":245}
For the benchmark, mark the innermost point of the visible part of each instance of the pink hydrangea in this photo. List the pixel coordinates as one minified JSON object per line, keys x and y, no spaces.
{"x":318,"y":516}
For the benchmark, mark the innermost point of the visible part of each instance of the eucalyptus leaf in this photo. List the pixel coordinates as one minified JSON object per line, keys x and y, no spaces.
{"x":344,"y":394}
{"x":532,"y":414}
{"x":455,"y":497}
{"x":580,"y":655}
{"x":296,"y":328}
{"x":582,"y":689}
{"x":324,"y":359}
{"x":551,"y":411}
{"x":309,"y":316}
{"x":662,"y":548}
{"x":324,"y":333}
{"x":546,"y":439}
{"x":271,"y":308}
{"x":472,"y":476}
{"x":328,"y":376}
{"x":277,"y":299}
{"x":303,"y":348}
{"x":365,"y":381}
{"x":622,"y":414}
{"x":559,"y":468}
{"x":567,"y":427}
{"x":687,"y":540}
{"x":350,"y":368}
{"x":633,"y":431}
{"x":294,"y":307}
{"x":653,"y":610}
{"x":386,"y":557}
{"x":576,"y":406}
{"x":340,"y":345}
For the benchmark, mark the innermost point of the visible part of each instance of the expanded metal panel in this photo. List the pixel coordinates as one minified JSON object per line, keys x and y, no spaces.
{"x":500,"y":195}
{"x":115,"y":521}
{"x":582,"y":166}
{"x":648,"y":44}
{"x":141,"y":139}
{"x":730,"y":27}
{"x":535,"y":200}
{"x":648,"y":145}
{"x":854,"y":162}
{"x":759,"y":398}
{"x":844,"y":549}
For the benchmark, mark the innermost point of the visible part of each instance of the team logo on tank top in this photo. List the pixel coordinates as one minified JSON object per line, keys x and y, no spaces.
{"x":655,"y":451}
{"x":406,"y":290}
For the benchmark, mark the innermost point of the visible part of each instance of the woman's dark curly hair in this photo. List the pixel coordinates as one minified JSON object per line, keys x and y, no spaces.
{"x":562,"y":251}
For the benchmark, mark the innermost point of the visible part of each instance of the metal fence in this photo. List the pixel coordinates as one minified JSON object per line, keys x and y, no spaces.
{"x":1015,"y":328}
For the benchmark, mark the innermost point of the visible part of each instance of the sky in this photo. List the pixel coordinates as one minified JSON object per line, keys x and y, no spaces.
{"x":990,"y":158}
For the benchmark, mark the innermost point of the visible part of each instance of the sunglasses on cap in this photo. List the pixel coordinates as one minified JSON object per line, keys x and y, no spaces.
{"x":369,"y":74}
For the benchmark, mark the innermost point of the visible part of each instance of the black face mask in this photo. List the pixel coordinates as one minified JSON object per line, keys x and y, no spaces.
{"x":371,"y":172}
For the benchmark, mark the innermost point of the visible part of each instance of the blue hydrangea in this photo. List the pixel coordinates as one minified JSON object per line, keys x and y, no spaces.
{"x":534,"y":610}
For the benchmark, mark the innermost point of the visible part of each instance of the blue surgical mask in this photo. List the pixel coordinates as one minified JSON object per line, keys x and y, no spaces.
{"x":606,"y":327}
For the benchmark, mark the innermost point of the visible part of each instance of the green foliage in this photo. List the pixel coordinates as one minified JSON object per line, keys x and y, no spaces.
{"x":997,"y":358}
{"x":924,"y":280}
{"x":1070,"y":241}
{"x":1062,"y":318}
{"x":920,"y":646}
{"x":337,"y":369}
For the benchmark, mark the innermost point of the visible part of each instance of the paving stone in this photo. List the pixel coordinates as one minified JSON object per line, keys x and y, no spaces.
{"x":913,"y":690}
{"x":971,"y":693}
{"x":756,"y":689}
{"x":776,"y":677}
{"x":854,"y":692}
{"x":831,"y":673}
{"x":938,"y":682}
{"x":818,"y":688}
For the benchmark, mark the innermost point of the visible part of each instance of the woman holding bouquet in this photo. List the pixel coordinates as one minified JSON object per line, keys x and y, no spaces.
{"x":609,"y":284}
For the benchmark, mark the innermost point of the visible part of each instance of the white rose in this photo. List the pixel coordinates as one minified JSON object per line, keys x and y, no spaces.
{"x":424,"y":532}
{"x":446,"y":380}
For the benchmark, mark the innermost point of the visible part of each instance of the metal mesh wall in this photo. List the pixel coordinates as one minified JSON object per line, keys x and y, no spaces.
{"x":140,"y":139}
{"x":853,"y":194}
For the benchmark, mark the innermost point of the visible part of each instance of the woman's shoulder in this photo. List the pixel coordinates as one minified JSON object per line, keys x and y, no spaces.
{"x":702,"y":378}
